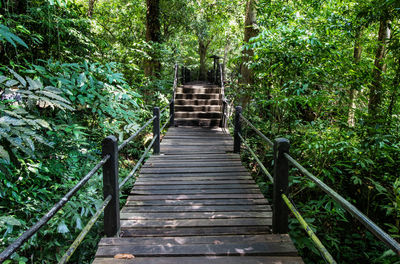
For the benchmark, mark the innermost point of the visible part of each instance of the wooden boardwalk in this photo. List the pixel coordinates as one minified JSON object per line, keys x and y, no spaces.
{"x":196,"y":203}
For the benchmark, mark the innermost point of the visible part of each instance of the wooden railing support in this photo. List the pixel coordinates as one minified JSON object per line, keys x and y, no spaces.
{"x":281,"y":181}
{"x":172,"y":113}
{"x":238,"y":129}
{"x":111,"y":186}
{"x":224,"y":114}
{"x":156,"y":130}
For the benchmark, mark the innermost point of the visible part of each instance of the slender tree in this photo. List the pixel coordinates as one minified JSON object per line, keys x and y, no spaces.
{"x":91,"y":7}
{"x":376,"y":90}
{"x":152,"y":66}
{"x":250,"y":31}
{"x":353,"y":90}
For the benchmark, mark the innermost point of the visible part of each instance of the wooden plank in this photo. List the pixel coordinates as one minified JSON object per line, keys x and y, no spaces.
{"x":203,"y":260}
{"x":198,"y":180}
{"x":190,"y":151}
{"x":192,"y":156}
{"x":190,"y":129}
{"x":194,"y":197}
{"x":199,"y":191}
{"x":215,"y":175}
{"x":199,"y":147}
{"x":194,"y":215}
{"x":195,"y":187}
{"x":186,"y":240}
{"x":195,"y":231}
{"x":198,"y":203}
{"x":193,"y":162}
{"x":189,"y":180}
{"x":198,"y":150}
{"x":133,"y":208}
{"x":199,"y":137}
{"x":175,"y":164}
{"x":125,"y":224}
{"x":192,"y":170}
{"x":256,"y":248}
{"x":196,"y":142}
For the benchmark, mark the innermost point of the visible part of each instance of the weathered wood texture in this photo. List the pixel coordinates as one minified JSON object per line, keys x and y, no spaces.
{"x":196,"y":203}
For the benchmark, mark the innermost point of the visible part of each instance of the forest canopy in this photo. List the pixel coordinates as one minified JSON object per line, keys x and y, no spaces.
{"x":324,"y":74}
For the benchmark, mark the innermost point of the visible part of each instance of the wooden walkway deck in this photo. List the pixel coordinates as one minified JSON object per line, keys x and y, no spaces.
{"x":196,"y":203}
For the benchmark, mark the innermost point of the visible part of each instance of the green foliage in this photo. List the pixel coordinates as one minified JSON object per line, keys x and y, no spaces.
{"x":97,"y":91}
{"x":20,"y":127}
{"x":6,"y":35}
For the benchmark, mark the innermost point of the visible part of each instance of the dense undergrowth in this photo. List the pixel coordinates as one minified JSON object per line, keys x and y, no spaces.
{"x":59,"y":99}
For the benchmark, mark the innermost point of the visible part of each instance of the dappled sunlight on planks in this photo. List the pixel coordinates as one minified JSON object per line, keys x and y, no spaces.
{"x":196,"y":203}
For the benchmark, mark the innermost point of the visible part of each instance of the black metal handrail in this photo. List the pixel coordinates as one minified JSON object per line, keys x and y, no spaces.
{"x":280,"y":180}
{"x":110,"y":204}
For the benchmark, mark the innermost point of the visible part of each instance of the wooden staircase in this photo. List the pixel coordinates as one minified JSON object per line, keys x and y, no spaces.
{"x":198,"y":104}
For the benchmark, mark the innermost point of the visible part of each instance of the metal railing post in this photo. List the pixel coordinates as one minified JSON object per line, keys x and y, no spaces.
{"x":110,"y":186}
{"x":156,"y":130}
{"x":172,"y":113}
{"x":281,"y":181}
{"x":238,"y":129}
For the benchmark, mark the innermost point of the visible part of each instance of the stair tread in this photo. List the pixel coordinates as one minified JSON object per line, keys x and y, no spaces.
{"x":211,"y":118}
{"x":200,"y":112}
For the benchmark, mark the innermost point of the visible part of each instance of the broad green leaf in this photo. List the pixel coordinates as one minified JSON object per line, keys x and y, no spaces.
{"x":18,"y":77}
{"x":62,"y":228}
{"x":4,"y":154}
{"x":54,"y":96}
{"x":9,"y":220}
{"x":11,"y":83}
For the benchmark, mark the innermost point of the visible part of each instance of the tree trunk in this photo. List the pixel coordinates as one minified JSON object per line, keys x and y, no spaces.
{"x":91,"y":7}
{"x":247,"y":54}
{"x":152,"y":66}
{"x":376,"y":90}
{"x":203,"y":47}
{"x":353,"y":90}
{"x":394,"y":94}
{"x":13,"y":6}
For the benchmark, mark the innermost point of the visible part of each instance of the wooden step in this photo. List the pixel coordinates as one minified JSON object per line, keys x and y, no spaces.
{"x":198,"y":90}
{"x":202,"y":260}
{"x":213,"y":122}
{"x":180,"y":207}
{"x":203,"y":85}
{"x":236,"y":249}
{"x":192,"y":96}
{"x":197,"y":108}
{"x":198,"y":102}
{"x":187,"y":240}
{"x":198,"y":115}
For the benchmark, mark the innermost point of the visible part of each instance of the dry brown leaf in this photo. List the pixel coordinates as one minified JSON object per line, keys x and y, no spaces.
{"x":124,"y":256}
{"x":217,"y":242}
